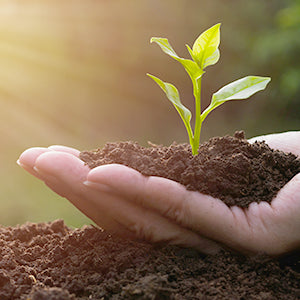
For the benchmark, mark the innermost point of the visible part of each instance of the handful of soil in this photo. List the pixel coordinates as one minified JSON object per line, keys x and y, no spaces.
{"x":228,"y":168}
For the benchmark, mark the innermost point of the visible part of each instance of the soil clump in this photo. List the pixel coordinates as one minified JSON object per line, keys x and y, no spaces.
{"x":228,"y":168}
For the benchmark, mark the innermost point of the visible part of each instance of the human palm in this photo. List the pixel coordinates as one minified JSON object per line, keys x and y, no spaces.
{"x":158,"y":210}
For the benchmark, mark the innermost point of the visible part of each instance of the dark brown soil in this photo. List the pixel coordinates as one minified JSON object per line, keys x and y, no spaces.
{"x":228,"y":168}
{"x":51,"y":261}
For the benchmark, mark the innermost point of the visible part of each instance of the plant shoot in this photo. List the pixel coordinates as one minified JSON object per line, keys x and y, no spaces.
{"x":205,"y":52}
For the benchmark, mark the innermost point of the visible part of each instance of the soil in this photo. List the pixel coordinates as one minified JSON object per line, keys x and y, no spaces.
{"x":228,"y":168}
{"x":51,"y":261}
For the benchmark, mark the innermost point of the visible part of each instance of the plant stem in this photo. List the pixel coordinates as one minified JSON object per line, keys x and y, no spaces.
{"x":198,"y":121}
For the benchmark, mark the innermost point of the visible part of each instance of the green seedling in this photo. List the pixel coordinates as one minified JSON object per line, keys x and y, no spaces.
{"x":204,"y":53}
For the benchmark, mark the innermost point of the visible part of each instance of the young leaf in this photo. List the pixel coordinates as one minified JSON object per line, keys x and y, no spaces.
{"x":190,"y":66}
{"x":240,"y":89}
{"x":205,"y":49}
{"x":173,"y":95}
{"x":165,"y":46}
{"x":213,"y":59}
{"x":192,"y":54}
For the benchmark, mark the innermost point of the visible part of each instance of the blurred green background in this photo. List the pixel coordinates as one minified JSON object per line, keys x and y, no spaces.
{"x":73,"y":73}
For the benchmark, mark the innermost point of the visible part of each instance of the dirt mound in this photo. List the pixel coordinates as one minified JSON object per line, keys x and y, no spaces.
{"x":51,"y":261}
{"x":228,"y":168}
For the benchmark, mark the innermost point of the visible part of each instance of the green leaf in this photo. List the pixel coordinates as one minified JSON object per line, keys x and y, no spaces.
{"x":205,"y":49}
{"x":165,"y":46}
{"x":240,"y":89}
{"x":190,"y":66}
{"x":213,"y":59}
{"x":173,"y":95}
{"x":191,"y":53}
{"x":192,"y":69}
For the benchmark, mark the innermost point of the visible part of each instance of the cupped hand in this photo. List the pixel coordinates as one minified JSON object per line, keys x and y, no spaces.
{"x":158,"y":210}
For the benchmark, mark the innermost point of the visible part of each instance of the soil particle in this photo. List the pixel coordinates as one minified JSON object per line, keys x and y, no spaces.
{"x":88,"y":263}
{"x":228,"y":168}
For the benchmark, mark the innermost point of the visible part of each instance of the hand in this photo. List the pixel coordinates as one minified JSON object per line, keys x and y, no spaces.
{"x":123,"y":201}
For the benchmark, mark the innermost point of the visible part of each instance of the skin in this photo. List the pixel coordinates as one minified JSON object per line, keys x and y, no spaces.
{"x":124,"y":202}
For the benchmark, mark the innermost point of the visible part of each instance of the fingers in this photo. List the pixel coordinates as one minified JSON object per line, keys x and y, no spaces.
{"x":144,"y":223}
{"x":200,"y":213}
{"x":28,"y":157}
{"x":261,"y":228}
{"x":286,"y":141}
{"x":109,"y":210}
{"x":65,"y":174}
{"x":147,"y":225}
{"x":61,"y":170}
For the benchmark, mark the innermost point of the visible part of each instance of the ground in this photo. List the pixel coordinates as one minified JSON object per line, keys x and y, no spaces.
{"x":52,"y":261}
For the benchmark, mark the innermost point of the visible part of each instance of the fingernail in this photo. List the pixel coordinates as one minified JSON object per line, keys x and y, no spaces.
{"x":36,"y":169}
{"x":24,"y":166}
{"x":41,"y":174}
{"x":54,"y":179}
{"x":98,"y":186}
{"x":20,"y":164}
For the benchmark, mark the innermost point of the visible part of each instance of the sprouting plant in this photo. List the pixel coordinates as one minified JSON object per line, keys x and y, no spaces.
{"x":204,"y":53}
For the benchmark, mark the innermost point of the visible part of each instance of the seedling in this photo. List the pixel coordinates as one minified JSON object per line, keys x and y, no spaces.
{"x":204,"y":53}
